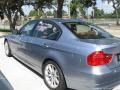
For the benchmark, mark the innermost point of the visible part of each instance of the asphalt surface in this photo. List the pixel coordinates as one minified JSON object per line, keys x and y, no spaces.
{"x":19,"y":76}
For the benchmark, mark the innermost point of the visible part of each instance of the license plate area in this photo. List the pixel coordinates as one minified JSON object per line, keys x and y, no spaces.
{"x":118,"y":57}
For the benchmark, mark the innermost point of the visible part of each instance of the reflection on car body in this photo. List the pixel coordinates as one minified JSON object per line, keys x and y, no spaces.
{"x":69,"y":53}
{"x":4,"y":84}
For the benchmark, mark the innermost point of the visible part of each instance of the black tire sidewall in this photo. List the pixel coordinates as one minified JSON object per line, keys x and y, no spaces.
{"x":9,"y":53}
{"x":62,"y":85}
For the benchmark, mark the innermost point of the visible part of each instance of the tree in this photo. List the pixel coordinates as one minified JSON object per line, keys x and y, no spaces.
{"x":49,"y":13}
{"x":35,"y":13}
{"x":12,"y":8}
{"x":42,"y":4}
{"x":116,"y":5}
{"x":60,"y":8}
{"x":49,"y":3}
{"x":98,"y":13}
{"x":1,"y":15}
{"x":1,"y":11}
{"x":80,"y":6}
{"x":76,"y":8}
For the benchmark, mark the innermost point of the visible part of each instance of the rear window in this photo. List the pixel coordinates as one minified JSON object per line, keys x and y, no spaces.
{"x":87,"y":31}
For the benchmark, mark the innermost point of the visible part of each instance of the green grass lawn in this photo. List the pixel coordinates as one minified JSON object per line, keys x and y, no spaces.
{"x":5,"y":30}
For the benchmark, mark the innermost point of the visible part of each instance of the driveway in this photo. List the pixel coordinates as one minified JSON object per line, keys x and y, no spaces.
{"x":20,"y":77}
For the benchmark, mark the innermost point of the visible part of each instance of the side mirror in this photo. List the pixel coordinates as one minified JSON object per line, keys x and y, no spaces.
{"x":15,"y":31}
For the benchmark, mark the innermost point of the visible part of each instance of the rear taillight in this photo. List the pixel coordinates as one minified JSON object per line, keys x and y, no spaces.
{"x":99,"y":58}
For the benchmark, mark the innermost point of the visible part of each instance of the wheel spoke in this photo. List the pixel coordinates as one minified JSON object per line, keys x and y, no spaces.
{"x":50,"y":68}
{"x":56,"y":81}
{"x":52,"y":76}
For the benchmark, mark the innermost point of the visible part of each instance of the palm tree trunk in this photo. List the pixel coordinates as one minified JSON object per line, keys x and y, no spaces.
{"x":117,"y":17}
{"x":60,"y":8}
{"x":116,"y":11}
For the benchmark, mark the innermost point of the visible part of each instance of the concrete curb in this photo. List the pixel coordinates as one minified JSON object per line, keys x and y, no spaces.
{"x":2,"y":36}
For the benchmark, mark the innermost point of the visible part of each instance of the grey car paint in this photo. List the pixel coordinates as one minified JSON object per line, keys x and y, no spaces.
{"x":70,"y":54}
{"x":4,"y":84}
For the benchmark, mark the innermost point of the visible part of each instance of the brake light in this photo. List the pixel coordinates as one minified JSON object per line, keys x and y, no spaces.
{"x":99,"y":58}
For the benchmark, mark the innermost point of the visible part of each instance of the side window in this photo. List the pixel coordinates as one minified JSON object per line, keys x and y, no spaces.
{"x":28,"y":28}
{"x":84,"y":31}
{"x":47,"y":30}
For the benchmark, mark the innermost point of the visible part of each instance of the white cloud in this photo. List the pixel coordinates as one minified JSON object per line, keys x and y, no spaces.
{"x":105,"y":6}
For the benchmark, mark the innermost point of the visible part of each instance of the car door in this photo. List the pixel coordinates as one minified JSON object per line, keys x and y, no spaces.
{"x":14,"y":42}
{"x":45,"y":34}
{"x":24,"y":39}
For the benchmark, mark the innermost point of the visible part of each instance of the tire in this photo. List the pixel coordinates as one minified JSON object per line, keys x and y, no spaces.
{"x":7,"y":49}
{"x":53,"y":76}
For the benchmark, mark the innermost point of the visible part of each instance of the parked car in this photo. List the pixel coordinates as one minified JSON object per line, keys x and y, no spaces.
{"x":4,"y":84}
{"x":68,"y":53}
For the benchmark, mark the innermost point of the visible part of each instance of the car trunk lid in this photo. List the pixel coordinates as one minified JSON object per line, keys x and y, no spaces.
{"x":110,"y":46}
{"x":104,"y":41}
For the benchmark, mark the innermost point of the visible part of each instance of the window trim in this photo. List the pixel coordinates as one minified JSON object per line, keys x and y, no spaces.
{"x":50,"y":22}
{"x":84,"y":23}
{"x":70,"y":29}
{"x":31,"y":34}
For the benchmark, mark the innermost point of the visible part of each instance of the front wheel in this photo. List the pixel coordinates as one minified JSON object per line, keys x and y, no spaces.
{"x":53,"y":76}
{"x":7,"y":49}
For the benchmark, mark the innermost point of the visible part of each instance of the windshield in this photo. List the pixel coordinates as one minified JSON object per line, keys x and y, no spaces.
{"x":87,"y":31}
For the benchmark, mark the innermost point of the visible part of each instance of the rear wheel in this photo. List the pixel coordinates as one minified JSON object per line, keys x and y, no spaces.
{"x":7,"y":49}
{"x":53,"y":76}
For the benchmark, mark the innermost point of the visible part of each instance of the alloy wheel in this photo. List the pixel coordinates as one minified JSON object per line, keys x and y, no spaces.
{"x":52,"y":76}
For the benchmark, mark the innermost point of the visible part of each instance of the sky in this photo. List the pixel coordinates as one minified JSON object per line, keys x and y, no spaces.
{"x":27,"y":9}
{"x":105,"y":6}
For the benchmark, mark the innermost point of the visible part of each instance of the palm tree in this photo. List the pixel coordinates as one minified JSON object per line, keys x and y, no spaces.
{"x":47,"y":3}
{"x":73,"y":7}
{"x":78,"y":7}
{"x":60,"y":8}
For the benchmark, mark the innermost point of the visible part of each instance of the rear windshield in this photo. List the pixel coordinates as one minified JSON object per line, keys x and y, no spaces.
{"x":87,"y":31}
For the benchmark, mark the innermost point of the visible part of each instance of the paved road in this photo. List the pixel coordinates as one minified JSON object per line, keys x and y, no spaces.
{"x":20,"y":77}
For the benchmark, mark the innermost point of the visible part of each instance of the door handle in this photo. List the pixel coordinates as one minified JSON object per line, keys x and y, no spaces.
{"x":24,"y":41}
{"x":45,"y":45}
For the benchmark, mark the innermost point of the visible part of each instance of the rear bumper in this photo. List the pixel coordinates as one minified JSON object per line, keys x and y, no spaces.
{"x":107,"y":82}
{"x":84,"y":81}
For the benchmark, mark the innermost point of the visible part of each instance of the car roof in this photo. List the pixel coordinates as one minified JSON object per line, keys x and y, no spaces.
{"x":63,"y":20}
